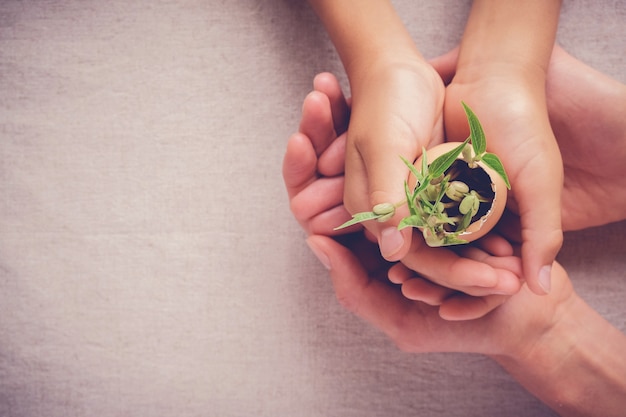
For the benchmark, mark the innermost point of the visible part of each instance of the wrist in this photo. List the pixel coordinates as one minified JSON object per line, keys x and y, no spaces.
{"x":576,"y":366}
{"x":387,"y":69}
{"x":516,"y":36}
{"x":361,"y":33}
{"x":504,"y":75}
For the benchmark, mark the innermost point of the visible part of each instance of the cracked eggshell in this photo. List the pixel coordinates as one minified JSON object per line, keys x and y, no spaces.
{"x":482,"y":226}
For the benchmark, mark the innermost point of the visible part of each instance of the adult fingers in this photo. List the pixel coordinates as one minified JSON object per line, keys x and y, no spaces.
{"x":332,"y":161}
{"x":465,"y":307}
{"x":374,"y":301}
{"x":473,"y":273}
{"x":328,"y":84}
{"x":320,"y":196}
{"x":299,"y":164}
{"x":317,"y":121}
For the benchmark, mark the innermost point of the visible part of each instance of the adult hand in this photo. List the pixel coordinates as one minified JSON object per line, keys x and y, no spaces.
{"x":556,"y":346}
{"x":592,"y":140}
{"x":313,"y":164}
{"x":511,"y":330}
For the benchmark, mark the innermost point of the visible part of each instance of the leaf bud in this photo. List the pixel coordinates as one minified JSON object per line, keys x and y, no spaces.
{"x":467,"y":154}
{"x":469,"y":204}
{"x":457,"y":190}
{"x":432,"y":192}
{"x":384,"y":208}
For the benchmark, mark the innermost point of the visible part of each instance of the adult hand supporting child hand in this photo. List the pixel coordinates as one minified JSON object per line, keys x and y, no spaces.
{"x":527,"y":335}
{"x":313,"y":171}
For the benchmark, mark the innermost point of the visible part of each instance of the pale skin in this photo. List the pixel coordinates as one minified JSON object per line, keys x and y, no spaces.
{"x":398,"y":107}
{"x":528,"y":335}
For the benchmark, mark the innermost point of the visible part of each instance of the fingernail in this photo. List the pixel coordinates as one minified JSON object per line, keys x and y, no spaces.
{"x":545,"y":274}
{"x":319,"y":254}
{"x":391,"y":241}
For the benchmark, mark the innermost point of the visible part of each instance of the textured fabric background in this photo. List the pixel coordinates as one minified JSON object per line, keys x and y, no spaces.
{"x":149,"y":265}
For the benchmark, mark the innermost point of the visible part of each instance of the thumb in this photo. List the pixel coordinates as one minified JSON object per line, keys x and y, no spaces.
{"x":542,"y":235}
{"x":371,"y":299}
{"x":376,"y":175}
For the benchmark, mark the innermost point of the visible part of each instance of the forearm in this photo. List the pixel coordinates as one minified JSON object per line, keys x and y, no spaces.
{"x":364,"y":32}
{"x":578,"y":368}
{"x":518,"y":35}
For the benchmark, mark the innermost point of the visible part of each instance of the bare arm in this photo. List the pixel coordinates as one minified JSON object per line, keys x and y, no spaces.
{"x":578,"y":368}
{"x":505,"y":32}
{"x":363,"y":32}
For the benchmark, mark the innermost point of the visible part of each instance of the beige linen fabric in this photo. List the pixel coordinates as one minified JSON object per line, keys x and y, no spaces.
{"x":149,"y":265}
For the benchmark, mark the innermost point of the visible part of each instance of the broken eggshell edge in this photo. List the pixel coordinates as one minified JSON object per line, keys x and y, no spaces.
{"x":482,"y":226}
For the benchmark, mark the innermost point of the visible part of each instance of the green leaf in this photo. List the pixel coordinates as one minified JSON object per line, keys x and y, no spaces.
{"x":410,"y":201}
{"x":450,"y":240}
{"x":442,"y":191}
{"x":358,"y":218}
{"x":424,"y":162}
{"x":467,"y":220}
{"x":421,"y":187}
{"x":418,"y":175}
{"x":443,"y":162}
{"x":493,"y":162}
{"x":411,"y":221}
{"x":479,"y":142}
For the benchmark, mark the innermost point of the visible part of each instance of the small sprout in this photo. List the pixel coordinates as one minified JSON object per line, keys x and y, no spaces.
{"x":440,"y":204}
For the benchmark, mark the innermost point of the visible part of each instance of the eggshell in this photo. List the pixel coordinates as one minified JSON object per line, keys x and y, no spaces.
{"x":482,"y":226}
